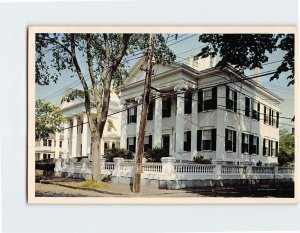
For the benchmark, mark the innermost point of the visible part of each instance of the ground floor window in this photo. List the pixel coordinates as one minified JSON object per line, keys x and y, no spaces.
{"x":270,"y":147}
{"x":206,"y":139}
{"x":131,"y":142}
{"x":148,"y":143}
{"x":230,"y":140}
{"x":187,"y":141}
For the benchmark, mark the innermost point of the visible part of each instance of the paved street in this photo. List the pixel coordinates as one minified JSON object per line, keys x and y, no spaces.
{"x":283,"y":190}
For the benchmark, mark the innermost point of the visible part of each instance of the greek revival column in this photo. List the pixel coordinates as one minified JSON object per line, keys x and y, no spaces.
{"x":66,"y":139}
{"x":179,"y":122}
{"x":84,"y":136}
{"x":194,"y":124}
{"x":138,"y":100}
{"x":157,"y":123}
{"x":74,"y":137}
{"x":123,"y":139}
{"x":57,"y":139}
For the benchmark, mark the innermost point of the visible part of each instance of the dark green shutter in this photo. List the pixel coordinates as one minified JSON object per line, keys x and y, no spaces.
{"x":235,"y":101}
{"x":214,"y":98}
{"x":226,"y":139}
{"x":247,"y":106}
{"x":134,"y":145}
{"x":199,"y":140}
{"x":127,"y":143}
{"x":270,"y":116}
{"x":265,"y":115}
{"x":150,"y":142}
{"x":257,"y":145}
{"x":258,"y":111}
{"x":227,"y":98}
{"x":169,"y":105}
{"x":264,"y":147}
{"x":127,"y":116}
{"x":243,"y":142}
{"x":188,"y":141}
{"x":276,"y":149}
{"x":251,"y":147}
{"x":277,"y":119}
{"x":270,"y":148}
{"x":200,"y":100}
{"x":234,"y":141}
{"x":213,"y":139}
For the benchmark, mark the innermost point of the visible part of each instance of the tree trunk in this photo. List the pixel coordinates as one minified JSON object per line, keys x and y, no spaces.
{"x":95,"y":156}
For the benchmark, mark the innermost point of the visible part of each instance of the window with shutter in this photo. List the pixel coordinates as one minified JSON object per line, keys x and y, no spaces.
{"x":245,"y":143}
{"x":231,"y":99}
{"x":188,"y":103}
{"x":206,"y":139}
{"x":255,"y":110}
{"x":166,"y":107}
{"x":150,"y":111}
{"x":207,"y":99}
{"x":230,"y":140}
{"x":273,"y":143}
{"x":148,"y":143}
{"x":187,"y":141}
{"x":131,"y":144}
{"x":132,"y":115}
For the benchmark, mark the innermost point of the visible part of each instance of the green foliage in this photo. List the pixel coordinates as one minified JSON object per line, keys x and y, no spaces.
{"x":286,"y":147}
{"x":92,"y":184}
{"x":201,"y":160}
{"x":111,"y":124}
{"x":46,"y":165}
{"x":244,"y":51}
{"x":259,"y":163}
{"x":47,"y":119}
{"x":155,"y":154}
{"x":112,"y":153}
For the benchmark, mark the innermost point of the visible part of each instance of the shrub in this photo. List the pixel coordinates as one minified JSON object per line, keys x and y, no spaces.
{"x":201,"y":160}
{"x":259,"y":163}
{"x":112,"y":153}
{"x":46,"y":165}
{"x":155,"y":154}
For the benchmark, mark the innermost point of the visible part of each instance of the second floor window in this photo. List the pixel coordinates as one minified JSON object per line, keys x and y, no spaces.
{"x":207,"y":99}
{"x":131,"y":115}
{"x":50,"y":143}
{"x":255,"y":110}
{"x":231,"y":99}
{"x":60,"y":143}
{"x":188,"y":103}
{"x":45,"y":142}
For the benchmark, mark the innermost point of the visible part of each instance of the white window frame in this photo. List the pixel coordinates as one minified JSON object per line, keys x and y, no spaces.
{"x":203,"y":131}
{"x":248,"y":143}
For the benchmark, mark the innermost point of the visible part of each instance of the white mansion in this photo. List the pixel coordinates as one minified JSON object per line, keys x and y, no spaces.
{"x":77,"y":135}
{"x":209,"y":112}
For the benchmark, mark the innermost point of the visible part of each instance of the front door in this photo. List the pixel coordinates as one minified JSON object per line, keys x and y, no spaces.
{"x":166,"y":143}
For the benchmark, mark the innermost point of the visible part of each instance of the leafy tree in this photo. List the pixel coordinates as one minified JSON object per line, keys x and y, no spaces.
{"x":47,"y":119}
{"x":105,"y":57}
{"x":156,"y":154}
{"x":245,"y":51}
{"x":286,"y":147}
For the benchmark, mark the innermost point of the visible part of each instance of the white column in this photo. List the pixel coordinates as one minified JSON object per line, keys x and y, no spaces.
{"x":157,"y":123}
{"x":123,"y":139}
{"x":179,"y":125}
{"x":74,"y":137}
{"x":66,"y":139}
{"x":172,"y":144}
{"x":57,"y":138}
{"x":138,"y":118}
{"x":84,"y":136}
{"x":194,"y":127}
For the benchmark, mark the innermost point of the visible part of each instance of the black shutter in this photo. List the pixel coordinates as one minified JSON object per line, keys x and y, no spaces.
{"x":199,"y":140}
{"x":169,"y":103}
{"x":134,"y":144}
{"x":258,"y":111}
{"x":277,"y":119}
{"x":214,"y":98}
{"x":226,"y":139}
{"x":127,"y":116}
{"x":150,"y":112}
{"x":227,"y":98}
{"x":276,"y":149}
{"x":270,"y":116}
{"x":150,"y":142}
{"x":213,"y":139}
{"x":127,"y":143}
{"x":234,"y":141}
{"x":247,"y":106}
{"x":188,"y":103}
{"x":200,"y":100}
{"x":243,"y":142}
{"x":135,"y":114}
{"x":265,"y":114}
{"x":188,"y":148}
{"x":264,"y":147}
{"x":257,"y":145}
{"x":270,"y":148}
{"x":235,"y":101}
{"x":251,"y":149}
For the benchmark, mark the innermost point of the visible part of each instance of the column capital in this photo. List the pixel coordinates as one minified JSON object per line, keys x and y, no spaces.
{"x":181,"y":87}
{"x":139,"y":99}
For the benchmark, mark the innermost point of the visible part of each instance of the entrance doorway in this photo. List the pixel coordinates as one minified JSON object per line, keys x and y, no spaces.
{"x":166,"y":143}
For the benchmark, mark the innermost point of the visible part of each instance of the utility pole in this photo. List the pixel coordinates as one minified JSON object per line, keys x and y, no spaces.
{"x":143,"y":121}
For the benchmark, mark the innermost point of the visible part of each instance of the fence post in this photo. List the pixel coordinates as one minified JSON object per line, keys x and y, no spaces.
{"x":218,"y":171}
{"x":275,"y":172}
{"x":117,"y":167}
{"x":102,"y":162}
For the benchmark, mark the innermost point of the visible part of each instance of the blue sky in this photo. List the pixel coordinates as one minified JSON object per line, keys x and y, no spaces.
{"x":184,"y":46}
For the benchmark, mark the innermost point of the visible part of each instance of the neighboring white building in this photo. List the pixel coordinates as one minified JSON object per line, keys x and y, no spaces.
{"x":77,"y":140}
{"x":49,"y":148}
{"x":229,"y":123}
